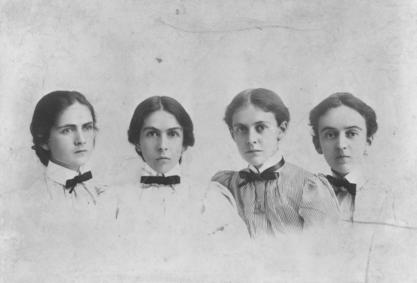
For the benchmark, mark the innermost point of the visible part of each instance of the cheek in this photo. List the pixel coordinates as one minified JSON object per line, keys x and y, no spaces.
{"x":241,"y":145}
{"x":178,"y":145}
{"x":361,"y":147}
{"x":57,"y":144}
{"x":59,"y":149}
{"x":270,"y":139}
{"x":326,"y":147}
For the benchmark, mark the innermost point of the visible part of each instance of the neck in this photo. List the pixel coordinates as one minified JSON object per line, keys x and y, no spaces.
{"x":76,"y":169}
{"x":338,"y":174}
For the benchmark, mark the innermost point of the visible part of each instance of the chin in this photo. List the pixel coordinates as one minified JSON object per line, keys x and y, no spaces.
{"x":342,"y":170}
{"x":163,"y":169}
{"x":255,"y":162}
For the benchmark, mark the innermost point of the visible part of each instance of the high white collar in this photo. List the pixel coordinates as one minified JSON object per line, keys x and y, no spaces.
{"x":61,"y":174}
{"x":355,"y":176}
{"x":148,"y":171}
{"x":274,"y":159}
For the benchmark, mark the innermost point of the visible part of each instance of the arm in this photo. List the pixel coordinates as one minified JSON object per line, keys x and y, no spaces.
{"x":319,"y":205}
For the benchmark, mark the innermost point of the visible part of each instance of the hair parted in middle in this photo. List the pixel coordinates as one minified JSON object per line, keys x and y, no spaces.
{"x":156,"y":103}
{"x":265,"y":99}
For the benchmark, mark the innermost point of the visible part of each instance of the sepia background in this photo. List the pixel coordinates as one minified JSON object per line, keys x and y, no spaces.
{"x":203,"y":53}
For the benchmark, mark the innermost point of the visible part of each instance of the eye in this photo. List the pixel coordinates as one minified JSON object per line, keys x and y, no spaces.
{"x":151,"y":133}
{"x":88,"y":127}
{"x":260,"y":128}
{"x":330,"y":135}
{"x":66,"y":131}
{"x":351,"y":134}
{"x":240,"y":130}
{"x":174,"y":133}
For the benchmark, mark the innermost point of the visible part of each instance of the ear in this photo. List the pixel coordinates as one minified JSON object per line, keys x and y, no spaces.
{"x":231,"y":133}
{"x":317,"y":145}
{"x":283,"y":130}
{"x":369,"y":140}
{"x":137,"y":147}
{"x":45,"y":146}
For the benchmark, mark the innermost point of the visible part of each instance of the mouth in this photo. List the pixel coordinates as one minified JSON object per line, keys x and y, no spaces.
{"x":80,"y":151}
{"x":163,"y":158}
{"x":342,"y":157}
{"x":251,"y":151}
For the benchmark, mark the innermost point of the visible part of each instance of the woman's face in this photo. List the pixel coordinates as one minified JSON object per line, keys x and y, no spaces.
{"x":342,"y":137}
{"x":71,"y":139}
{"x":161,"y":141}
{"x":256,"y":134}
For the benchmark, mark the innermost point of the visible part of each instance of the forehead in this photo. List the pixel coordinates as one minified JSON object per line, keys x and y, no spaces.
{"x":249,"y":114}
{"x":75,"y":114}
{"x":161,"y":119}
{"x":340,"y":118}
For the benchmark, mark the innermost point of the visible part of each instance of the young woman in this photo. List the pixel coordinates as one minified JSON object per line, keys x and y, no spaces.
{"x":271,"y":195}
{"x":344,"y":127}
{"x":161,"y":131}
{"x":64,"y":129}
{"x":55,"y":219}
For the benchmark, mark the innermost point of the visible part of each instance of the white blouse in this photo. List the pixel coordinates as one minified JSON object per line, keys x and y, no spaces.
{"x":154,"y":207}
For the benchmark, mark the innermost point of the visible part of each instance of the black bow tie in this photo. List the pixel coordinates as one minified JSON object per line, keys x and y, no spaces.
{"x":71,"y":183}
{"x":160,"y":180}
{"x":268,"y":174}
{"x":342,"y":182}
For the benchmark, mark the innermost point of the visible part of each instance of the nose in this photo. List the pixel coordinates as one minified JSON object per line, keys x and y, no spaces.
{"x":163,"y":143}
{"x":253,"y":136}
{"x":342,"y":142}
{"x":79,"y":137}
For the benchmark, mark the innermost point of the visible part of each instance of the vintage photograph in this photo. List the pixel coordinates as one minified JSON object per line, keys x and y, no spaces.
{"x":208,"y":141}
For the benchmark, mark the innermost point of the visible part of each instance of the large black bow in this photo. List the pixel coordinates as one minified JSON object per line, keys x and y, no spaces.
{"x":268,"y":174}
{"x":161,"y":180}
{"x":342,"y":182}
{"x":71,"y":183}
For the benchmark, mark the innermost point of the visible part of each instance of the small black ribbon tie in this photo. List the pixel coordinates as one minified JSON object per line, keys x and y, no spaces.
{"x":260,"y":190}
{"x":268,"y":174}
{"x":342,"y":182}
{"x":160,"y":180}
{"x":71,"y":183}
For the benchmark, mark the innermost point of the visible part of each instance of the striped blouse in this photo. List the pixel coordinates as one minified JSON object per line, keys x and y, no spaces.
{"x":295,"y":200}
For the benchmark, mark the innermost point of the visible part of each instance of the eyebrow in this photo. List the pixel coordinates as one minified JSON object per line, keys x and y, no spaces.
{"x":155,"y":129}
{"x":346,"y":128}
{"x":256,"y":123}
{"x":74,"y":125}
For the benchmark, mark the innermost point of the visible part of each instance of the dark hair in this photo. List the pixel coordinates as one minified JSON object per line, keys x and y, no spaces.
{"x":46,"y":114}
{"x":155,"y":103}
{"x":339,"y":99}
{"x":262,"y":98}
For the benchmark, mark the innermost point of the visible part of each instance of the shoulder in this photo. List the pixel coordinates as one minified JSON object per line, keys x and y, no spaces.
{"x":223,"y":177}
{"x":321,"y":179}
{"x":295,"y":173}
{"x":295,"y":169}
{"x":36,"y":191}
{"x":317,"y":186}
{"x":378,"y":186}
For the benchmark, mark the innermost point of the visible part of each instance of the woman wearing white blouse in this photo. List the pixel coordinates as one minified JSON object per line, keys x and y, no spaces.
{"x":162,"y":200}
{"x":64,"y":130}
{"x":55,"y":219}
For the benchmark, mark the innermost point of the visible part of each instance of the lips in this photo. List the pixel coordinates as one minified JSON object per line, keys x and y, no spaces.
{"x":253,"y":151}
{"x":342,"y":156}
{"x":163,"y":158}
{"x":80,"y":151}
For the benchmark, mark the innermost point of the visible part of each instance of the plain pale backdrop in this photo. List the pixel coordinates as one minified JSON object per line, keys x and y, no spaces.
{"x":203,"y":53}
